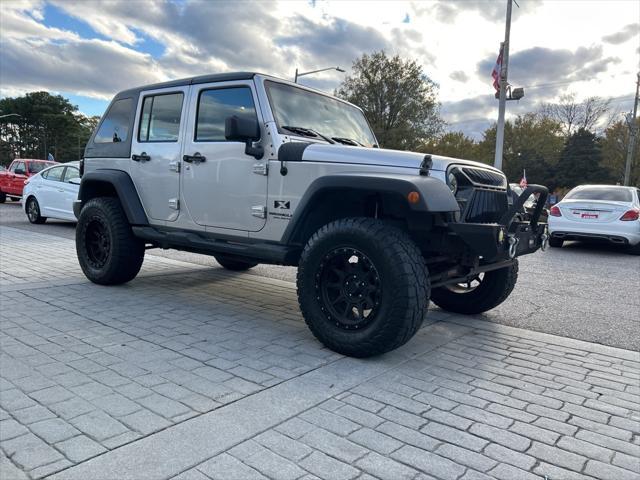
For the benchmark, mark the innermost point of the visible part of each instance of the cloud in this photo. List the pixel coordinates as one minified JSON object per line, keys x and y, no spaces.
{"x":546,"y":65}
{"x":626,"y":33}
{"x":448,"y":10}
{"x":459,"y":76}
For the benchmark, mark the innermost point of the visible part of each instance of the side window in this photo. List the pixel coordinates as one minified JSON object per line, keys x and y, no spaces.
{"x":160,"y":120}
{"x":71,"y":173}
{"x":19,"y":168}
{"x":115,"y":126}
{"x":12,"y":167}
{"x":214,"y":106}
{"x":55,"y":174}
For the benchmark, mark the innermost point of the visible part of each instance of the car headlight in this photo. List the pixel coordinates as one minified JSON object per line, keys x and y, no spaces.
{"x":453,"y":183}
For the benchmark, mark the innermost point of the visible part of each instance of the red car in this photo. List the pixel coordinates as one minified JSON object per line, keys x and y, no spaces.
{"x":12,"y":179}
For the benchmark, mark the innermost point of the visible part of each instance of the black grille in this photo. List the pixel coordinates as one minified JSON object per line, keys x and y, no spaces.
{"x":484,"y":177}
{"x":486,"y":206}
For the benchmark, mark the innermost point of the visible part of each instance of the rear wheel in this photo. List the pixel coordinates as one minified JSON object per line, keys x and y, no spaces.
{"x":484,"y":292}
{"x":3,"y":197}
{"x":33,"y":211}
{"x":234,"y":263}
{"x":108,"y":252}
{"x":556,"y":242}
{"x":363,"y":286}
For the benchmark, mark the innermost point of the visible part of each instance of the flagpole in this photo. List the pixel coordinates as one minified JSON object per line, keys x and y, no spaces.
{"x":503,"y":90}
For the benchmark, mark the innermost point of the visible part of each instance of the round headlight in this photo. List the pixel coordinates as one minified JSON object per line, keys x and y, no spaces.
{"x":453,"y":183}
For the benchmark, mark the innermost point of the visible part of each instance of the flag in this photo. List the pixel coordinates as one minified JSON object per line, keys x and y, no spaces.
{"x":50,"y":157}
{"x":523,"y":182}
{"x":497,"y":68}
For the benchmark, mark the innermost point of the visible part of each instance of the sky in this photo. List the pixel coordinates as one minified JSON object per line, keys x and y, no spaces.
{"x":88,"y":50}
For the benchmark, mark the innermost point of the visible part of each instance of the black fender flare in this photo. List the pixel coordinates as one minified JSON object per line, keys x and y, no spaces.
{"x":94,"y":183}
{"x":434,"y":195}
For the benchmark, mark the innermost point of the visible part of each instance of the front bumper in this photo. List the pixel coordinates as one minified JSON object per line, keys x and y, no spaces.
{"x":507,"y":239}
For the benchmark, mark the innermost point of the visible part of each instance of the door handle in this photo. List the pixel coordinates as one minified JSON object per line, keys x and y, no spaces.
{"x":142,"y":157}
{"x":196,"y":157}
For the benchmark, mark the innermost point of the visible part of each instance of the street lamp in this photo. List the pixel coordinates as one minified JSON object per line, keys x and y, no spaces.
{"x":295,"y":79}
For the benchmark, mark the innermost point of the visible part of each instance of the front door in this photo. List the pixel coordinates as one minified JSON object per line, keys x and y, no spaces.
{"x":156,"y":150}
{"x":17,"y":175}
{"x":219,"y":186}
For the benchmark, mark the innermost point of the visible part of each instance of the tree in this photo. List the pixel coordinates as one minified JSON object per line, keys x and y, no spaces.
{"x":397,"y":97}
{"x":452,"y":144}
{"x":573,"y":115}
{"x":46,"y":124}
{"x":581,"y":161}
{"x":532,"y":142}
{"x":614,"y":152}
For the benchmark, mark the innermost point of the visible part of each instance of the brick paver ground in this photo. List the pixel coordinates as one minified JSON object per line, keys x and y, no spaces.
{"x":196,"y":373}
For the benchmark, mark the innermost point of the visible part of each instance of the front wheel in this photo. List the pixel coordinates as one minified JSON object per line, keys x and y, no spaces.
{"x":3,"y":197}
{"x":108,"y":252}
{"x":484,"y":292}
{"x":33,"y":211}
{"x":363,"y":286}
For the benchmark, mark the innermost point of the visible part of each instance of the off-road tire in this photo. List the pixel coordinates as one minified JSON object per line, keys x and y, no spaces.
{"x":556,"y":242}
{"x":123,"y":255}
{"x":235,"y":264}
{"x":3,"y":197}
{"x":496,"y":286}
{"x":403,"y":278}
{"x":33,"y":211}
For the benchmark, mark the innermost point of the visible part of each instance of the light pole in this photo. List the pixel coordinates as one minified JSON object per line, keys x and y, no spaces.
{"x":295,"y":79}
{"x":503,"y":90}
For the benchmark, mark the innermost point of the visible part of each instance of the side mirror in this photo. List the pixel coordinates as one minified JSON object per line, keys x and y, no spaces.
{"x":19,"y":171}
{"x":75,"y":181}
{"x":244,"y":130}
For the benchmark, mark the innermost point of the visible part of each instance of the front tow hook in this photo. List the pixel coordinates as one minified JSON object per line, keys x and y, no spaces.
{"x":513,"y":245}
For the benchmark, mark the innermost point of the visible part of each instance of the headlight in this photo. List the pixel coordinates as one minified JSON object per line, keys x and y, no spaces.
{"x":453,"y":183}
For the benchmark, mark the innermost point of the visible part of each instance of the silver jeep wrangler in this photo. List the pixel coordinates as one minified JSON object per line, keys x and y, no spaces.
{"x":254,"y":169}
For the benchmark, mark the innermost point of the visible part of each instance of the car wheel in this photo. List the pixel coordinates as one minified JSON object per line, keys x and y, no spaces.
{"x":33,"y":211}
{"x":235,"y":264}
{"x":108,"y":252}
{"x":484,"y":292}
{"x":556,"y":242}
{"x":3,"y":197}
{"x":363,"y":286}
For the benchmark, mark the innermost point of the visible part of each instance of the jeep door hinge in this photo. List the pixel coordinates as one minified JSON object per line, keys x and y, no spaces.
{"x":261,"y":168}
{"x":174,"y":203}
{"x":259,"y":211}
{"x":174,"y":166}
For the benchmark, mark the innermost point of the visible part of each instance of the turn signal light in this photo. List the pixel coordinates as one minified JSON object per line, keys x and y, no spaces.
{"x":413,"y":197}
{"x":555,"y":212}
{"x":631,"y":215}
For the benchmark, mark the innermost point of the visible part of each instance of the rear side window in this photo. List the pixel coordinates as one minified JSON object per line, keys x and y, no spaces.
{"x":36,"y":167}
{"x":160,"y":119}
{"x":54,"y":174}
{"x":71,"y":173}
{"x":115,"y":125}
{"x":214,"y":106}
{"x":608,"y":194}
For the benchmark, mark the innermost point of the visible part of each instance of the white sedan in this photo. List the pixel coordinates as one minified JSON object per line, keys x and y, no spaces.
{"x":51,"y":193}
{"x":599,"y":213}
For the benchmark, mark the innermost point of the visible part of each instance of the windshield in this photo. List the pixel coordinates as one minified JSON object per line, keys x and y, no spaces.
{"x":295,"y":107}
{"x":36,"y":167}
{"x":609,"y":194}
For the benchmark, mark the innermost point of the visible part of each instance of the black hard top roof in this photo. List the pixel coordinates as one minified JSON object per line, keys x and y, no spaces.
{"x":217,"y":77}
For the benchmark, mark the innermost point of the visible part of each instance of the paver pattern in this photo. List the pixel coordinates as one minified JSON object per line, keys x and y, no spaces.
{"x":191,"y":372}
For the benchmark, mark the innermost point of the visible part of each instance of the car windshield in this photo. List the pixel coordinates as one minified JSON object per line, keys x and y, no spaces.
{"x":608,"y":194}
{"x":305,"y":110}
{"x":37,"y":167}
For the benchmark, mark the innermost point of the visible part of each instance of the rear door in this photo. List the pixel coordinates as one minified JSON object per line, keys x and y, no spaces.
{"x":224,"y":190}
{"x":156,"y":150}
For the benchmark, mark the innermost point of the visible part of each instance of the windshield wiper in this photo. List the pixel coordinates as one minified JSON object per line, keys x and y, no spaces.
{"x":347,"y":141}
{"x":309,"y":132}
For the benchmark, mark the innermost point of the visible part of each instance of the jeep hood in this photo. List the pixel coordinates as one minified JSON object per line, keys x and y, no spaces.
{"x":323,"y":152}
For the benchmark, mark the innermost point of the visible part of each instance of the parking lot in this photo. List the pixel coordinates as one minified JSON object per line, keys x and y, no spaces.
{"x":193,"y":372}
